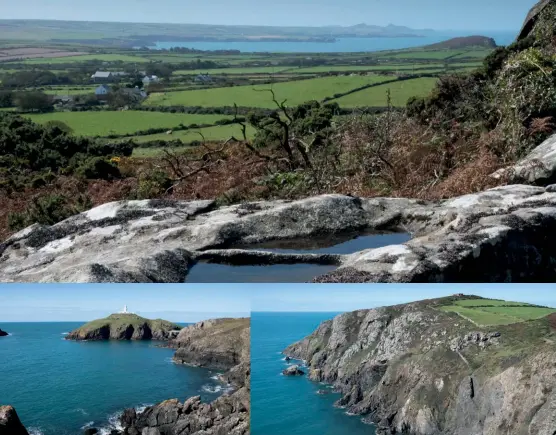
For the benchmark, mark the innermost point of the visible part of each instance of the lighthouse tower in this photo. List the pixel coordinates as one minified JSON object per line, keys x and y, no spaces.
{"x":124,"y":311}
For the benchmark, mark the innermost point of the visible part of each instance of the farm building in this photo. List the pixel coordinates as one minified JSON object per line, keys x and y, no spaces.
{"x":204,"y":78}
{"x":150,"y":79}
{"x":102,"y":92}
{"x":107,"y":76}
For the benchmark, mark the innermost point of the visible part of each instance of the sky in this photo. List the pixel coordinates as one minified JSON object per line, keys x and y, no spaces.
{"x":183,"y":303}
{"x":492,"y":15}
{"x":350,"y":297}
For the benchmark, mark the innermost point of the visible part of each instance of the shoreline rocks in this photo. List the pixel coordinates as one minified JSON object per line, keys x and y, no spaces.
{"x":3,"y":333}
{"x":293,"y":371}
{"x":10,"y":424}
{"x":125,"y":327}
{"x":217,"y":344}
{"x":484,"y":237}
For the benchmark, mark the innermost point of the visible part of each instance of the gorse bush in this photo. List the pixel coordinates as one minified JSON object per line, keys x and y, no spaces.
{"x":48,"y":210}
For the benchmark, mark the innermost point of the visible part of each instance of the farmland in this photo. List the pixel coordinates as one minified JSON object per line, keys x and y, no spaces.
{"x":295,"y":92}
{"x":104,"y":123}
{"x":486,"y":312}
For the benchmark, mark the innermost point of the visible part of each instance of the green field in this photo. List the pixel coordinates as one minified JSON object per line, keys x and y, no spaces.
{"x":88,"y":57}
{"x":70,"y":91}
{"x":485,"y":312}
{"x":400,"y":93}
{"x":123,"y":122}
{"x":431,"y":54}
{"x":247,"y":70}
{"x":211,"y":134}
{"x":295,"y":92}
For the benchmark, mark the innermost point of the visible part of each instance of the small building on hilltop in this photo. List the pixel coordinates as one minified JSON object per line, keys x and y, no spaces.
{"x":107,"y":76}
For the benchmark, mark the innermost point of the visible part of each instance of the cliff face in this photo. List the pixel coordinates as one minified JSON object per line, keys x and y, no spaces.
{"x":218,"y":344}
{"x":10,"y":423}
{"x":125,"y":327}
{"x":415,"y":369}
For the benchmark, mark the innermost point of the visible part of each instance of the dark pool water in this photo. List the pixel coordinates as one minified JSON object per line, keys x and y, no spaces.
{"x":204,"y":272}
{"x":332,"y":244}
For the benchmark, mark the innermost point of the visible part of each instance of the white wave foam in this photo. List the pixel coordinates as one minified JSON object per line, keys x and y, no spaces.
{"x":65,"y":333}
{"x":216,"y":377}
{"x":143,"y":407}
{"x":81,"y":411}
{"x":35,"y":431}
{"x":87,"y":425}
{"x":213,"y":389}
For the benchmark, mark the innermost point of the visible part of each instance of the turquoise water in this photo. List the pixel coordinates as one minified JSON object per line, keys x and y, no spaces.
{"x":342,"y":45}
{"x":60,"y":387}
{"x":282,"y":405}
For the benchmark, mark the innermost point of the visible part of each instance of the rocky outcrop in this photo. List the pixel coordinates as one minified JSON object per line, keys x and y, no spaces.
{"x":293,"y":371}
{"x":492,"y":236}
{"x":218,"y":344}
{"x":10,"y":423}
{"x":419,"y":370}
{"x":125,"y":327}
{"x":532,"y":18}
{"x":3,"y":333}
{"x":538,"y":167}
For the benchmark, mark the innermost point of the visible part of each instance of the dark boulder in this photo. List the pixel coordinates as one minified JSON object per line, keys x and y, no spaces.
{"x":90,"y":431}
{"x":293,"y":371}
{"x":3,"y":333}
{"x":10,"y":423}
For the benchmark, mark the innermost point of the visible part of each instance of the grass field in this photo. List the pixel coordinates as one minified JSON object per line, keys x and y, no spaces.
{"x":295,"y":92}
{"x":211,"y":134}
{"x":400,"y":93}
{"x":430,"y":54}
{"x":248,"y":70}
{"x":487,"y":312}
{"x":88,"y":57}
{"x":69,"y":91}
{"x":123,"y":122}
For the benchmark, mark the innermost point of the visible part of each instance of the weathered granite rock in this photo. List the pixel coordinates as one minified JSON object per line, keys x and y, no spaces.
{"x":10,"y":423}
{"x":293,"y":371}
{"x":125,"y":327}
{"x":538,"y":167}
{"x":3,"y":333}
{"x":532,"y":18}
{"x":398,"y":366}
{"x":217,"y":344}
{"x":497,"y":235}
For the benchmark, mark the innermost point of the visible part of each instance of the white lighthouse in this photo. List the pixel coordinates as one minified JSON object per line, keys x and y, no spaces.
{"x":124,"y":311}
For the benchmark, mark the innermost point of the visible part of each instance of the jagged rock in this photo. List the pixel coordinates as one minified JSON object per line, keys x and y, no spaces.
{"x":293,"y":371}
{"x":10,"y":423}
{"x":397,"y":367}
{"x":125,"y":327}
{"x":492,"y":236}
{"x":90,"y":431}
{"x":532,"y":18}
{"x":3,"y":333}
{"x":538,"y":167}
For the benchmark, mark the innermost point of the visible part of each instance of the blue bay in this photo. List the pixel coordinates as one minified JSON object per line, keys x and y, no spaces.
{"x":60,"y":387}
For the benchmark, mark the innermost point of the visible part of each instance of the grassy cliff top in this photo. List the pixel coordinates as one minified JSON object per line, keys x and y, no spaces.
{"x":120,"y":320}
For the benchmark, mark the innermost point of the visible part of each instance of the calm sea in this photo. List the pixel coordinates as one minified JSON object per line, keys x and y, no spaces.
{"x":342,"y":45}
{"x":282,"y":405}
{"x":61,"y":387}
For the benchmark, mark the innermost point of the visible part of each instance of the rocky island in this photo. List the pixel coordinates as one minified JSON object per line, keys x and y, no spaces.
{"x":125,"y":326}
{"x":454,"y":365}
{"x":3,"y":333}
{"x":222,"y":344}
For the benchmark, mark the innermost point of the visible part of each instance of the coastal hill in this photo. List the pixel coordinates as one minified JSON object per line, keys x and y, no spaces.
{"x":222,"y":344}
{"x":3,"y":333}
{"x":463,"y":42}
{"x":125,"y":327}
{"x":449,"y":366}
